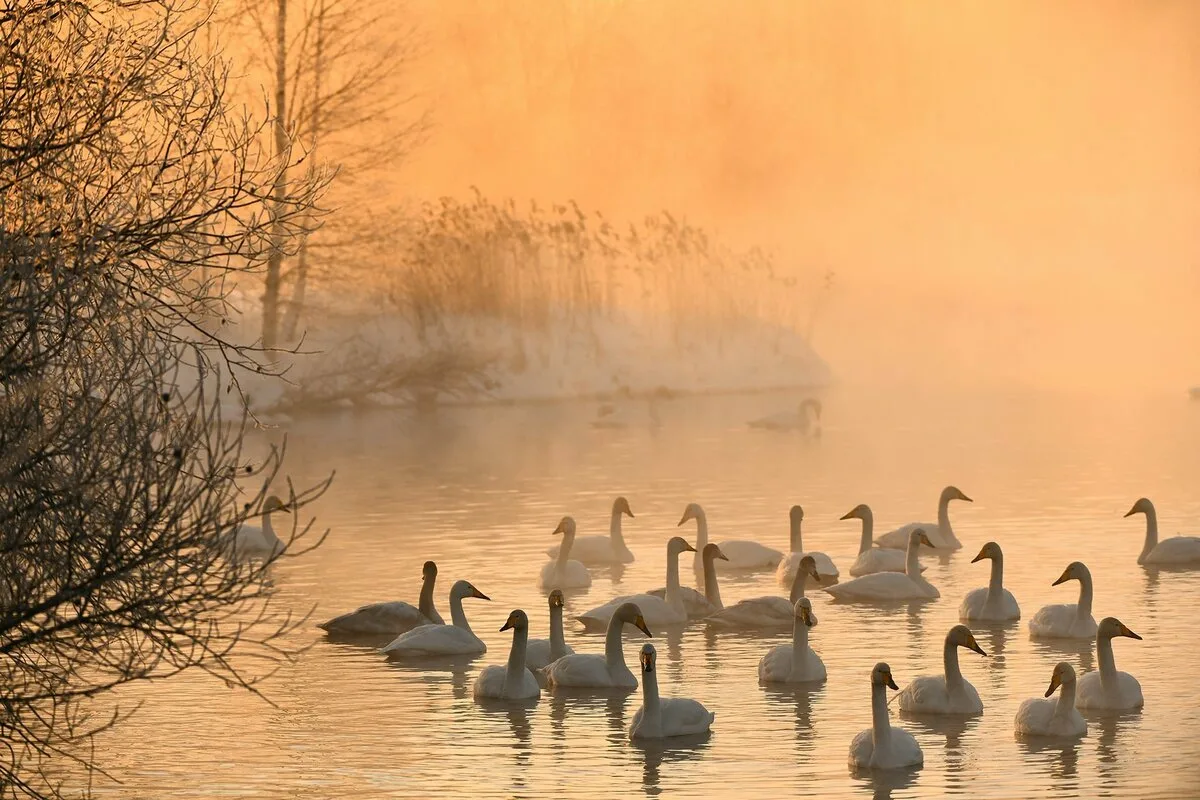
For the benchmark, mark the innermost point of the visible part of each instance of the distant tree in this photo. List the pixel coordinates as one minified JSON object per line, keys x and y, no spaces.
{"x":128,"y":192}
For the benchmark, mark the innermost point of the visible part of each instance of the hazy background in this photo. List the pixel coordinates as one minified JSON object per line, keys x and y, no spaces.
{"x":1007,"y":192}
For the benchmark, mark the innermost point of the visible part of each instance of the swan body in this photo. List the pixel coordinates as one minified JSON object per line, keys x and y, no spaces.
{"x":882,"y":746}
{"x":666,"y":610}
{"x":1183,"y":550}
{"x":392,"y":618}
{"x":806,"y":419}
{"x":540,"y":652}
{"x":513,"y":681}
{"x":456,"y":639}
{"x":1039,"y":716}
{"x":253,"y":541}
{"x":889,"y":586}
{"x":992,"y":602}
{"x":740,"y":554}
{"x":609,"y":549}
{"x":1107,"y":688}
{"x":795,"y":662}
{"x":786,"y":572}
{"x":563,"y":572}
{"x":950,"y":692}
{"x":608,"y":671}
{"x":941,"y":535}
{"x":664,"y":717}
{"x":872,"y":559}
{"x":1067,"y":621}
{"x":768,"y":613}
{"x":695,"y":604}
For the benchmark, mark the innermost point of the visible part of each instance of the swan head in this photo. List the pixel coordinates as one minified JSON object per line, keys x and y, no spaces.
{"x":954,"y":493}
{"x":1075,"y":571}
{"x":1111,"y":627}
{"x":1063,"y":675}
{"x":556,"y":599}
{"x":429,"y":570}
{"x":989,"y":550}
{"x":678,"y":545}
{"x":517,"y":620}
{"x":465,"y":589}
{"x":649,"y":654}
{"x":621,"y":506}
{"x":273,"y":503}
{"x":566,"y":526}
{"x":918,"y":537}
{"x":693,"y":511}
{"x":1142,"y":506}
{"x":796,"y":514}
{"x":961,"y":636}
{"x":631,"y":613}
{"x":711,"y":552}
{"x":804,"y":612}
{"x":882,"y":676}
{"x":808,"y":566}
{"x":811,"y":404}
{"x":860,"y":511}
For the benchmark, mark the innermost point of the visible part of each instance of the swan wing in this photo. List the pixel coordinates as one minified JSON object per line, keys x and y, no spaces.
{"x":926,"y":694}
{"x":572,"y":575}
{"x":580,"y":670}
{"x":743,"y":554}
{"x":879,"y":586}
{"x":1176,"y":550}
{"x":435,"y":640}
{"x":682,"y":716}
{"x":590,"y":550}
{"x":898,"y":539}
{"x":394,"y":617}
{"x":776,"y":665}
{"x":756,"y":612}
{"x":1061,"y":622}
{"x":694,"y":602}
{"x":879,"y":559}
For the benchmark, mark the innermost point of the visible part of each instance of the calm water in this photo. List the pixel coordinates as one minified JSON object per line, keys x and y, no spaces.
{"x":480,"y":490}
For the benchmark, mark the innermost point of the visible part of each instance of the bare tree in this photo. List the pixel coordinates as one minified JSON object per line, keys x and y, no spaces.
{"x":127,"y":193}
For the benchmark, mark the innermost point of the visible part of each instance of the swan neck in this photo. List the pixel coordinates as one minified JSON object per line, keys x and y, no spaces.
{"x":950,"y":663}
{"x":799,"y":644}
{"x":558,"y":642}
{"x":944,"y":515}
{"x":880,"y":727}
{"x":1084,"y":607}
{"x":701,"y":540}
{"x":514,"y":675}
{"x":996,"y":583}
{"x":651,"y":706}
{"x":425,"y":604}
{"x":564,"y":552}
{"x":458,"y":617}
{"x":798,"y":582}
{"x":1108,"y":664}
{"x":615,"y":533}
{"x":1066,"y":700}
{"x":614,"y":654}
{"x":868,"y":532}
{"x":672,"y":593}
{"x":712,"y":592}
{"x":1151,"y":532}
{"x":796,"y":535}
{"x":268,"y":528}
{"x":912,"y":563}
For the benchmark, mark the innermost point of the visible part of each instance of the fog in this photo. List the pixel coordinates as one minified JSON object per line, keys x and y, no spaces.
{"x":1006,"y":192}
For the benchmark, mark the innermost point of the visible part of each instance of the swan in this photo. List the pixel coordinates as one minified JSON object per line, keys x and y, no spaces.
{"x":540,"y":652}
{"x":881,"y":746}
{"x":787,"y":567}
{"x":806,"y":419}
{"x":1106,"y":688}
{"x":667,"y":610}
{"x":456,"y":639}
{"x":587,"y":670}
{"x":250,"y":540}
{"x":1176,"y":550}
{"x":1043,"y":717}
{"x":660,"y":718}
{"x":512,"y":681}
{"x":992,"y":602}
{"x":697,"y":605}
{"x":609,"y":416}
{"x":768,"y":612}
{"x":884,"y":586}
{"x":609,"y":549}
{"x":1067,"y":621}
{"x":873,"y":559}
{"x":795,"y":662}
{"x":393,"y":618}
{"x":739,"y":553}
{"x":949,"y":693}
{"x":941,"y":535}
{"x":564,"y":572}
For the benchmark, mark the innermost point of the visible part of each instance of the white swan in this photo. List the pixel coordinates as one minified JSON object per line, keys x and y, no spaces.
{"x":392,"y":618}
{"x":949,"y":693}
{"x":881,"y":746}
{"x":992,"y":602}
{"x":668,"y":610}
{"x":795,"y":662}
{"x":512,"y":681}
{"x":250,"y":540}
{"x":660,"y":718}
{"x":806,"y":419}
{"x":540,"y":652}
{"x":873,"y":559}
{"x":769,"y":612}
{"x":589,"y":671}
{"x":1067,"y":621}
{"x":1106,"y":688}
{"x":885,"y":586}
{"x":1043,"y":717}
{"x":697,"y":605}
{"x":609,"y":549}
{"x":941,"y":535}
{"x":563,"y":572}
{"x":740,"y":554}
{"x":455,"y":639}
{"x":1176,"y":550}
{"x":786,"y":572}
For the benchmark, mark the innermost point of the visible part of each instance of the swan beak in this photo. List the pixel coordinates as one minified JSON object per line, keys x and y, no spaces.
{"x":686,"y":516}
{"x":641,"y":625}
{"x":974,"y":645}
{"x":816,"y":576}
{"x":848,"y":515}
{"x":628,"y":513}
{"x":688,"y":548}
{"x":891,"y":684}
{"x":962,"y":496}
{"x":1131,"y":511}
{"x":1126,"y":632}
{"x":807,"y":617}
{"x":647,"y":663}
{"x":1054,"y":684}
{"x":722,"y":556}
{"x":1066,"y":576}
{"x":558,"y":530}
{"x":982,"y":555}
{"x":925,"y":541}
{"x":476,"y":593}
{"x":507,"y":625}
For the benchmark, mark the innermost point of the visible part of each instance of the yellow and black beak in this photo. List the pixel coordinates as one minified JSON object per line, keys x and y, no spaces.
{"x":686,"y":516}
{"x":1126,"y":632}
{"x":687,"y":546}
{"x":982,"y":555}
{"x":925,"y":541}
{"x":806,"y":616}
{"x":640,"y":623}
{"x":974,"y":645}
{"x":1066,"y":576}
{"x":647,"y":662}
{"x":511,"y":623}
{"x":560,"y":529}
{"x":1055,"y":682}
{"x":849,"y":514}
{"x":476,"y":593}
{"x":1132,"y":511}
{"x":888,"y":682}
